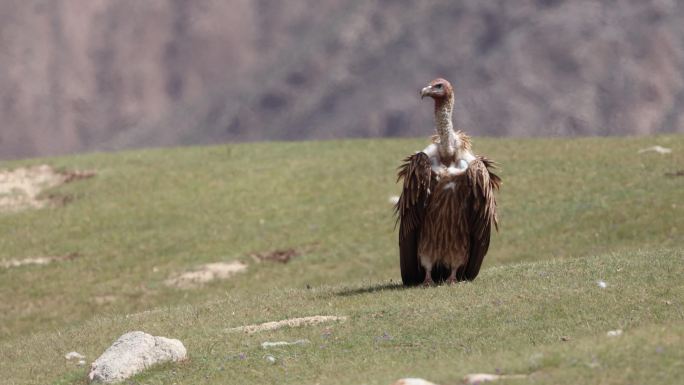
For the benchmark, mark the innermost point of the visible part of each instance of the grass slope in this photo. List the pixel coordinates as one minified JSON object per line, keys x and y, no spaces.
{"x":150,"y":214}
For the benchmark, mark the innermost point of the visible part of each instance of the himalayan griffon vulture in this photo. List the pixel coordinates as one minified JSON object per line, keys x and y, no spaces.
{"x":447,"y":207}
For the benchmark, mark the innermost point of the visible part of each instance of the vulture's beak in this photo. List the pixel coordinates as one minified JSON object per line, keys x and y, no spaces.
{"x":425,"y":91}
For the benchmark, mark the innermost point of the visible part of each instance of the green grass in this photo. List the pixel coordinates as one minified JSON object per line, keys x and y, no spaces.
{"x":572,"y":212}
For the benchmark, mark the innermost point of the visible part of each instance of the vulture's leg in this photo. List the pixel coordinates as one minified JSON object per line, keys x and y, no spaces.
{"x":428,"y":278}
{"x":452,"y":277}
{"x":427,"y":264}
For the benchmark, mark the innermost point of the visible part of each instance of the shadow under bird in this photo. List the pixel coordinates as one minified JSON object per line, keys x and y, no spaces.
{"x":447,"y":206}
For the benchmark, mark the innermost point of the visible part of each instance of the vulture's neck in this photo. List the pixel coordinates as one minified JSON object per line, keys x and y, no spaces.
{"x":445,"y":127}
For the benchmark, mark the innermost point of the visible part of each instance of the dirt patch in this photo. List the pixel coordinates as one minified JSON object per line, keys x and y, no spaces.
{"x":292,"y":323}
{"x":282,"y":256}
{"x":104,"y":299}
{"x":71,"y":176}
{"x":7,"y":264}
{"x":20,"y":188}
{"x":205,"y":274}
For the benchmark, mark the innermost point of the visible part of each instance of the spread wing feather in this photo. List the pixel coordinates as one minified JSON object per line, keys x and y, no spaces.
{"x":482,"y":212}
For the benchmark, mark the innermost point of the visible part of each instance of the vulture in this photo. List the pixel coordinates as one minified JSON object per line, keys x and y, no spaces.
{"x":447,"y":206}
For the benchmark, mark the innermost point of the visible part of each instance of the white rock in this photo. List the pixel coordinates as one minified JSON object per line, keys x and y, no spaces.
{"x":276,"y":344}
{"x":394,"y":199}
{"x":132,"y":353}
{"x":658,"y":149}
{"x":478,"y":378}
{"x":292,"y":322}
{"x":25,"y":261}
{"x":413,"y":381}
{"x":74,"y":355}
{"x":614,"y":333}
{"x":602,"y":284}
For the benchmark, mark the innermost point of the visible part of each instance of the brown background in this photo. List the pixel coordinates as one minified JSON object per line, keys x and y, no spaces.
{"x":82,"y":75}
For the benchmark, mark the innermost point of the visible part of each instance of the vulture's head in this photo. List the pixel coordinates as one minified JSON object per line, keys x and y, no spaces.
{"x":438,"y":89}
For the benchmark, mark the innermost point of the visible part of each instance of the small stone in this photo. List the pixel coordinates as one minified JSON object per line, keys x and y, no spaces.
{"x":614,"y":333}
{"x":74,"y":355}
{"x":602,"y":284}
{"x":413,"y":381}
{"x":384,"y":337}
{"x":565,"y":338}
{"x":271,"y":359}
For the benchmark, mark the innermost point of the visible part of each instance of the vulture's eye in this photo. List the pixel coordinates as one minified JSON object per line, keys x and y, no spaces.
{"x":438,"y":86}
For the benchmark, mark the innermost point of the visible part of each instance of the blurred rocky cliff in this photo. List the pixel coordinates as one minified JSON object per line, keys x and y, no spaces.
{"x":80,"y":75}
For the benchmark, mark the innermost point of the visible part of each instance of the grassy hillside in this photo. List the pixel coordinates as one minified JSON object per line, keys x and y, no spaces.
{"x":572,"y":212}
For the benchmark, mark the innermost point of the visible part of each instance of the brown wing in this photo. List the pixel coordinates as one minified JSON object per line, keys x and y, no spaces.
{"x":482,"y":212}
{"x":416,"y":173}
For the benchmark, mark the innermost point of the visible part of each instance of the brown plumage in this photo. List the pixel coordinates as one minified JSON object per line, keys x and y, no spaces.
{"x":447,"y":206}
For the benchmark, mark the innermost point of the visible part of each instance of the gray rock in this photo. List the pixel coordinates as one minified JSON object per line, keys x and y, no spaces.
{"x":132,"y":353}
